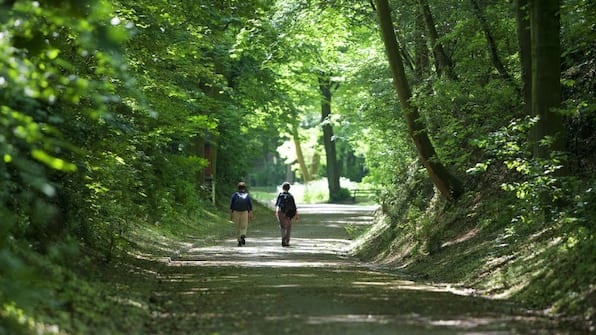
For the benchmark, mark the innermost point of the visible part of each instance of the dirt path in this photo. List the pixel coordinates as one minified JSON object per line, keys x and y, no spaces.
{"x":314,"y":287}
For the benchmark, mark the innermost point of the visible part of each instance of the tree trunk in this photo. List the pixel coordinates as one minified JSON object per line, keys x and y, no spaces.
{"x":449,"y":186}
{"x":492,"y":46}
{"x":299,"y":155}
{"x":546,"y":75}
{"x":525,"y":50}
{"x":422,"y":64}
{"x":214,"y":174}
{"x":314,"y":166}
{"x":443,"y":62}
{"x":325,"y":86}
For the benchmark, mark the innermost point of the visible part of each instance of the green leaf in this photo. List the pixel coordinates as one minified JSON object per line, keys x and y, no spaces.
{"x":53,"y":162}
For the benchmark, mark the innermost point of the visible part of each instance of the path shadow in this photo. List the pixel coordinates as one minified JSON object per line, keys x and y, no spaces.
{"x":315,"y":287}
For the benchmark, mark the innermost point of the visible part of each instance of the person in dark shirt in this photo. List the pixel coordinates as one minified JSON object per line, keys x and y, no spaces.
{"x":286,"y":210}
{"x":241,"y":212}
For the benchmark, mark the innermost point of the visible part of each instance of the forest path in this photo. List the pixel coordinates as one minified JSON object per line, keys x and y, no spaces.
{"x":314,"y":287}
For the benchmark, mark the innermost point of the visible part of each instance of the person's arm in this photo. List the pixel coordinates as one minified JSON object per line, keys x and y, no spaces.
{"x":232,"y":205}
{"x":250,"y":215}
{"x":277,"y":207}
{"x":296,"y":216}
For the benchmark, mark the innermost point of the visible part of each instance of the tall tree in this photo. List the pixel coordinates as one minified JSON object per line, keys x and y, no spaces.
{"x":522,"y":17}
{"x":306,"y":176}
{"x":546,"y":75}
{"x":443,"y":62}
{"x":316,"y":38}
{"x":422,"y":57}
{"x":447,"y":184}
{"x":326,"y":88}
{"x":490,"y":40}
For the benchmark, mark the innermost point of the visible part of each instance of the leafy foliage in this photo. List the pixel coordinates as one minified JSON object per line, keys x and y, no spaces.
{"x":106,"y":109}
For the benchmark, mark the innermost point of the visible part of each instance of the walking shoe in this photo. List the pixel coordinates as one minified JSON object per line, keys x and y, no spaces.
{"x":242,"y":239}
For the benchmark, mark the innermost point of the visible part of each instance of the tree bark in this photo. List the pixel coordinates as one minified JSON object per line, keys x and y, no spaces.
{"x":546,"y":75}
{"x":325,"y":88}
{"x":525,"y":50}
{"x":443,"y":62}
{"x":492,"y":46}
{"x":299,"y":155}
{"x":448,"y":185}
{"x":422,"y":63}
{"x":314,"y":166}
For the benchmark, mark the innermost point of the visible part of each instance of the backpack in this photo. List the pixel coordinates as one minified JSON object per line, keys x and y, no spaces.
{"x":287,"y":205}
{"x":241,"y":202}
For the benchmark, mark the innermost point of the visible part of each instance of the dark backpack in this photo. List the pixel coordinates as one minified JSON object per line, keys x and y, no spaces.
{"x":241,"y":202}
{"x":287,"y":205}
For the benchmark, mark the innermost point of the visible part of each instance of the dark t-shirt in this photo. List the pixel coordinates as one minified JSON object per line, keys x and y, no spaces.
{"x":240,"y":202}
{"x":286,"y":204}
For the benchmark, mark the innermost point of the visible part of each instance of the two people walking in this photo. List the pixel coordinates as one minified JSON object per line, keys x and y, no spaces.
{"x":241,"y":212}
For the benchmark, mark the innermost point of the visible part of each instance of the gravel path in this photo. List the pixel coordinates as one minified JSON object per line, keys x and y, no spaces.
{"x":315,"y":287}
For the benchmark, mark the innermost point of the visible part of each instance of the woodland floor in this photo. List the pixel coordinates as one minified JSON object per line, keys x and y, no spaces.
{"x":315,"y":287}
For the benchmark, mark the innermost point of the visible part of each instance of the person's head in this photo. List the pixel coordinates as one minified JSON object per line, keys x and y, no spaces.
{"x":285,"y":186}
{"x":241,"y":186}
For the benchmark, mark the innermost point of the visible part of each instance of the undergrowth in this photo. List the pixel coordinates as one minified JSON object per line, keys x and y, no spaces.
{"x":76,"y":290}
{"x":538,"y":253}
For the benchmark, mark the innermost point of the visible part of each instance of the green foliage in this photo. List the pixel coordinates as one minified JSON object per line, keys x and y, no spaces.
{"x":105,"y":108}
{"x":538,"y":187}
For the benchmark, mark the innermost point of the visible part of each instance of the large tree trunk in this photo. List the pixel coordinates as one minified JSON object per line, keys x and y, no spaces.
{"x":525,"y":50}
{"x":325,"y":87}
{"x":299,"y":155}
{"x":546,"y":75}
{"x":449,"y":186}
{"x":492,"y":46}
{"x":443,"y":62}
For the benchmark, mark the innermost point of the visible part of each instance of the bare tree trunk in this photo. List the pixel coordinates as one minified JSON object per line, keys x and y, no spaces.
{"x":546,"y":75}
{"x":522,"y":17}
{"x":325,"y":87}
{"x":299,"y":155}
{"x":448,"y":185}
{"x":422,"y":63}
{"x":314,"y":166}
{"x":492,"y":46}
{"x":443,"y":62}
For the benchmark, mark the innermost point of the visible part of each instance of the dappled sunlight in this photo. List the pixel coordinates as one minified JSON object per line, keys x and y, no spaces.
{"x":464,"y":237}
{"x":336,"y":209}
{"x":316,"y":286}
{"x":349,"y":318}
{"x":412,"y":320}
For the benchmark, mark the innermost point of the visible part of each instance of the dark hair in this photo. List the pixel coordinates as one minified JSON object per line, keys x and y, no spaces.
{"x":285,"y":186}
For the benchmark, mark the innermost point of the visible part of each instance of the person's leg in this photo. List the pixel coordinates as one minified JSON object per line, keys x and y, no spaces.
{"x":288,"y":232}
{"x":238,"y":219}
{"x":284,"y":224}
{"x":243,"y":226}
{"x":282,"y":230}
